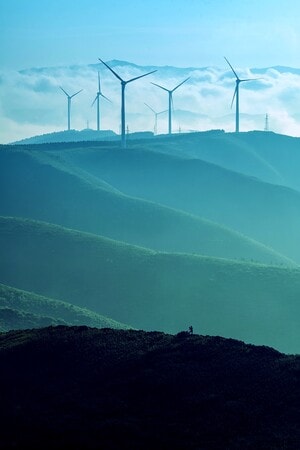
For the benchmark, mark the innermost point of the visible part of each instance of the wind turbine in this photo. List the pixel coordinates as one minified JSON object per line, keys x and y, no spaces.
{"x":156,"y":114}
{"x":236,"y":94}
{"x":97,"y":99}
{"x":123,"y":85}
{"x":69,"y":105}
{"x":170,"y":92}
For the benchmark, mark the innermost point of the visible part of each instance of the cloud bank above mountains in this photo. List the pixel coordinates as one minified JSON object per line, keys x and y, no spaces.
{"x":31,"y":102}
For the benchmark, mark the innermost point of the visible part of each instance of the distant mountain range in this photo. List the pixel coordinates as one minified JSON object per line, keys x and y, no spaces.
{"x":165,"y":70}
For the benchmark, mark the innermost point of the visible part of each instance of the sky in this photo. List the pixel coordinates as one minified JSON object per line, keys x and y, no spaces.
{"x":190,"y":33}
{"x":253,"y":33}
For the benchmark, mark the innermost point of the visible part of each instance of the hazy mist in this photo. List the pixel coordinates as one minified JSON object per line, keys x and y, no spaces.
{"x":31,"y":102}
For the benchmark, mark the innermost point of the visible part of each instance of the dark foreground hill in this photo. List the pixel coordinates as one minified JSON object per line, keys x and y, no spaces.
{"x":20,"y":309}
{"x":106,"y":389}
{"x":153,"y":290}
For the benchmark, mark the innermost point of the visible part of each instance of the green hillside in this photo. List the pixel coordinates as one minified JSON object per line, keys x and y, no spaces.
{"x":41,"y":185}
{"x":271,"y":157}
{"x":20,"y":309}
{"x":268,"y":156}
{"x":267,"y":213}
{"x":152,"y":290}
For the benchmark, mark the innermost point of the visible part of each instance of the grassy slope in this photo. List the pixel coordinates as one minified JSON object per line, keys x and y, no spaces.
{"x":12,"y":319}
{"x":41,"y":186}
{"x":266,"y":212}
{"x":270,"y":157}
{"x":256,"y":303}
{"x":135,"y":390}
{"x":20,"y":309}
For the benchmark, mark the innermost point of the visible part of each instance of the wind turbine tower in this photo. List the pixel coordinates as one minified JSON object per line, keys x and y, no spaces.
{"x":266,"y":122}
{"x":156,"y":114}
{"x":97,"y":99}
{"x":69,"y":105}
{"x":236,"y":96}
{"x":123,"y":85}
{"x":170,"y":92}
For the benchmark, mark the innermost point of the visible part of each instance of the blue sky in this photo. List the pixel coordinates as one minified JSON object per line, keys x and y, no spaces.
{"x":255,"y":33}
{"x":186,"y":33}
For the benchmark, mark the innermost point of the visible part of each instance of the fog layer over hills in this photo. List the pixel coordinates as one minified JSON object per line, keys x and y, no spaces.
{"x":31,"y":102}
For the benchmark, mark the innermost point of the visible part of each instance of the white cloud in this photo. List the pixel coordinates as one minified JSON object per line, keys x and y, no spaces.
{"x":31,"y":102}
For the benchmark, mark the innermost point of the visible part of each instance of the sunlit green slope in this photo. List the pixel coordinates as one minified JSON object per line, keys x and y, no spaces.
{"x":20,"y":309}
{"x":42,"y":185}
{"x":153,"y":290}
{"x":13,"y":319}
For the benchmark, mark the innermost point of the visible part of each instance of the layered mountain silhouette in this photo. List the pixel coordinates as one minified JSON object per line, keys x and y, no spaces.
{"x":266,"y":212}
{"x":153,"y":290}
{"x":268,"y":156}
{"x":45,"y":185}
{"x":197,"y":229}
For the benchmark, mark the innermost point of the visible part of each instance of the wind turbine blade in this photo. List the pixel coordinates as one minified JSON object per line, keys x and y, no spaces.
{"x":94,"y":100}
{"x":150,"y":108}
{"x":115,"y":73}
{"x":64,"y":91}
{"x":180,"y":84}
{"x":161,"y":112}
{"x":231,"y":68}
{"x":234,"y":96}
{"x":105,"y":97}
{"x":76,"y":93}
{"x":141,"y":76}
{"x":250,"y":79}
{"x":161,"y":87}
